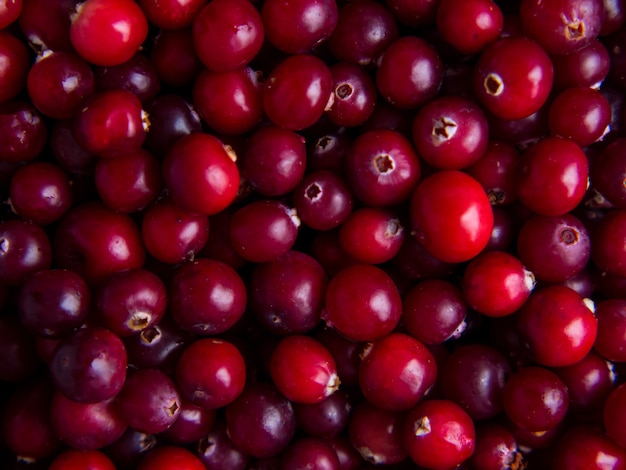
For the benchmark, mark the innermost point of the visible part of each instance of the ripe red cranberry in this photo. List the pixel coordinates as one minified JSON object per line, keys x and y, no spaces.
{"x":11,"y":10}
{"x":311,"y":453}
{"x":72,"y":459}
{"x":303,"y":369}
{"x":346,"y":353}
{"x":24,"y":250}
{"x":613,"y":415}
{"x":400,"y":360}
{"x":362,"y":303}
{"x":192,"y":424}
{"x":481,"y":25}
{"x":297,"y":92}
{"x":130,"y":448}
{"x":261,"y":422}
{"x":410,"y":73}
{"x":496,"y":448}
{"x":136,"y":75}
{"x":210,"y":373}
{"x":562,"y":26}
{"x":107,"y":32}
{"x":586,"y":67}
{"x":206,"y":296}
{"x":382,"y":168}
{"x":171,"y":14}
{"x":46,"y":23}
{"x":24,"y":132}
{"x":201,"y":174}
{"x":166,"y":457}
{"x":325,"y":419}
{"x":513,"y":77}
{"x":451,"y":216}
{"x":608,"y":173}
{"x":217,"y":451}
{"x":587,"y":447}
{"x":227,"y":34}
{"x":327,"y":152}
{"x":608,"y":250}
{"x":438,"y":434}
{"x":611,"y":315}
{"x":355,"y":95}
{"x":96,"y":242}
{"x":15,"y":66}
{"x":174,"y":57}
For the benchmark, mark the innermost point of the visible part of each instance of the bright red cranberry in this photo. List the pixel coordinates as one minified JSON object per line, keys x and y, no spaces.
{"x":481,"y":25}
{"x":111,"y":123}
{"x":439,"y":434}
{"x":586,"y":67}
{"x":274,"y":160}
{"x":400,"y":360}
{"x":303,"y":369}
{"x":310,"y":453}
{"x":10,"y":11}
{"x":410,"y":73}
{"x":362,"y":303}
{"x":513,"y":77}
{"x":261,"y":422}
{"x":371,"y":235}
{"x":85,"y":426}
{"x":554,"y":248}
{"x":562,"y":26}
{"x":608,"y":247}
{"x":96,"y":242}
{"x":263,"y":230}
{"x":227,"y":34}
{"x":173,"y":235}
{"x":355,"y":95}
{"x":230,"y":102}
{"x":496,"y":448}
{"x":41,"y":192}
{"x":58,"y":83}
{"x":171,"y":14}
{"x":24,"y":132}
{"x":46,"y":23}
{"x":72,"y":459}
{"x":149,"y":401}
{"x":192,"y":424}
{"x":609,"y":172}
{"x":89,"y":365}
{"x":325,"y":419}
{"x":298,"y":27}
{"x":589,"y":448}
{"x":166,"y":457}
{"x":297,"y":92}
{"x":53,"y":302}
{"x":210,"y":373}
{"x":17,"y":345}
{"x":451,"y":216}
{"x":201,"y":174}
{"x":382,"y":168}
{"x":296,"y":306}
{"x":376,"y":434}
{"x":107,"y":32}
{"x":136,"y":75}
{"x":174,"y":57}
{"x":206,"y":296}
{"x":496,"y":283}
{"x":557,"y":326}
{"x":364,"y":31}
{"x":24,"y":250}
{"x":450,"y":133}
{"x":15,"y":65}
{"x":535,"y":399}
{"x":217,"y":451}
{"x":553,"y":176}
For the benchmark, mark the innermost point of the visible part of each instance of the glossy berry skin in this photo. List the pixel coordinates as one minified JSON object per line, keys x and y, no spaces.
{"x":206,"y":296}
{"x":586,"y":67}
{"x":557,"y":325}
{"x":79,"y":459}
{"x":10,"y":12}
{"x":110,"y":124}
{"x":496,"y":171}
{"x":553,"y":176}
{"x":96,"y":242}
{"x":310,"y":453}
{"x":563,"y":26}
{"x":439,"y":211}
{"x":496,"y":284}
{"x":584,"y":447}
{"x":382,"y":168}
{"x":611,"y":315}
{"x":15,"y":65}
{"x":496,"y":448}
{"x":216,"y":450}
{"x":137,"y":75}
{"x":171,"y":14}
{"x":89,"y":365}
{"x":192,"y":424}
{"x":24,"y":132}
{"x":108,"y":33}
{"x":227,"y":34}
{"x":261,"y":422}
{"x":325,"y":419}
{"x":483,"y":24}
{"x":535,"y":399}
{"x":46,"y":24}
{"x":201,"y":174}
{"x":303,"y":369}
{"x":608,"y":173}
{"x":355,"y":95}
{"x":608,"y":250}
{"x":410,"y":73}
{"x":362,"y":303}
{"x":613,"y":414}
{"x":174,"y":57}
{"x":166,"y":457}
{"x":297,"y":92}
{"x":25,"y":250}
{"x":210,"y":373}
{"x":513,"y":78}
{"x":438,"y":434}
{"x":400,"y":360}
{"x":298,"y":27}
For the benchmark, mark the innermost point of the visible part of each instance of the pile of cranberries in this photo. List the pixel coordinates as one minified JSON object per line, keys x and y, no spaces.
{"x":312,"y":234}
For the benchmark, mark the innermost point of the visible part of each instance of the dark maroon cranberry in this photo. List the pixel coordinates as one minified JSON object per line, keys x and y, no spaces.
{"x":521,"y":132}
{"x":24,"y":132}
{"x":310,"y":453}
{"x":327,"y":152}
{"x":66,"y":151}
{"x":355,"y":94}
{"x":325,"y":419}
{"x":129,"y":448}
{"x":497,"y":171}
{"x":613,"y":414}
{"x":24,"y":250}
{"x":274,"y":161}
{"x":608,"y":250}
{"x":217,"y":451}
{"x":410,"y":73}
{"x":53,"y":302}
{"x":587,"y":447}
{"x":414,"y":13}
{"x":496,"y":448}
{"x":346,"y":353}
{"x":586,"y":67}
{"x":192,"y":424}
{"x":171,"y":14}
{"x":482,"y":24}
{"x":611,"y":315}
{"x":136,"y":75}
{"x":15,"y":65}
{"x":46,"y":23}
{"x":414,"y":262}
{"x":608,"y":173}
{"x":364,"y":30}
{"x":261,"y":422}
{"x":17,"y":345}
{"x":174,"y":57}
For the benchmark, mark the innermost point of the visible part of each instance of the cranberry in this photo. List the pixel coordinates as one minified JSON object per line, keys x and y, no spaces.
{"x":362,"y":303}
{"x":588,"y":448}
{"x":15,"y":66}
{"x":354,"y":97}
{"x":345,"y":352}
{"x":482,"y":24}
{"x":217,"y":451}
{"x":513,"y":77}
{"x":325,"y":419}
{"x":438,"y":434}
{"x":174,"y":57}
{"x":129,"y":449}
{"x":108,"y":33}
{"x":24,"y":250}
{"x":67,"y":153}
{"x":451,"y":216}
{"x":607,"y":243}
{"x":607,"y":173}
{"x":11,"y":10}
{"x":611,"y":315}
{"x":191,"y":424}
{"x":24,"y":132}
{"x":414,"y":13}
{"x":613,"y":413}
{"x":162,"y":458}
{"x":310,"y":453}
{"x":136,"y":75}
{"x":586,"y":67}
{"x":171,"y":14}
{"x":46,"y":23}
{"x":496,"y":448}
{"x":76,"y":459}
{"x":327,"y":152}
